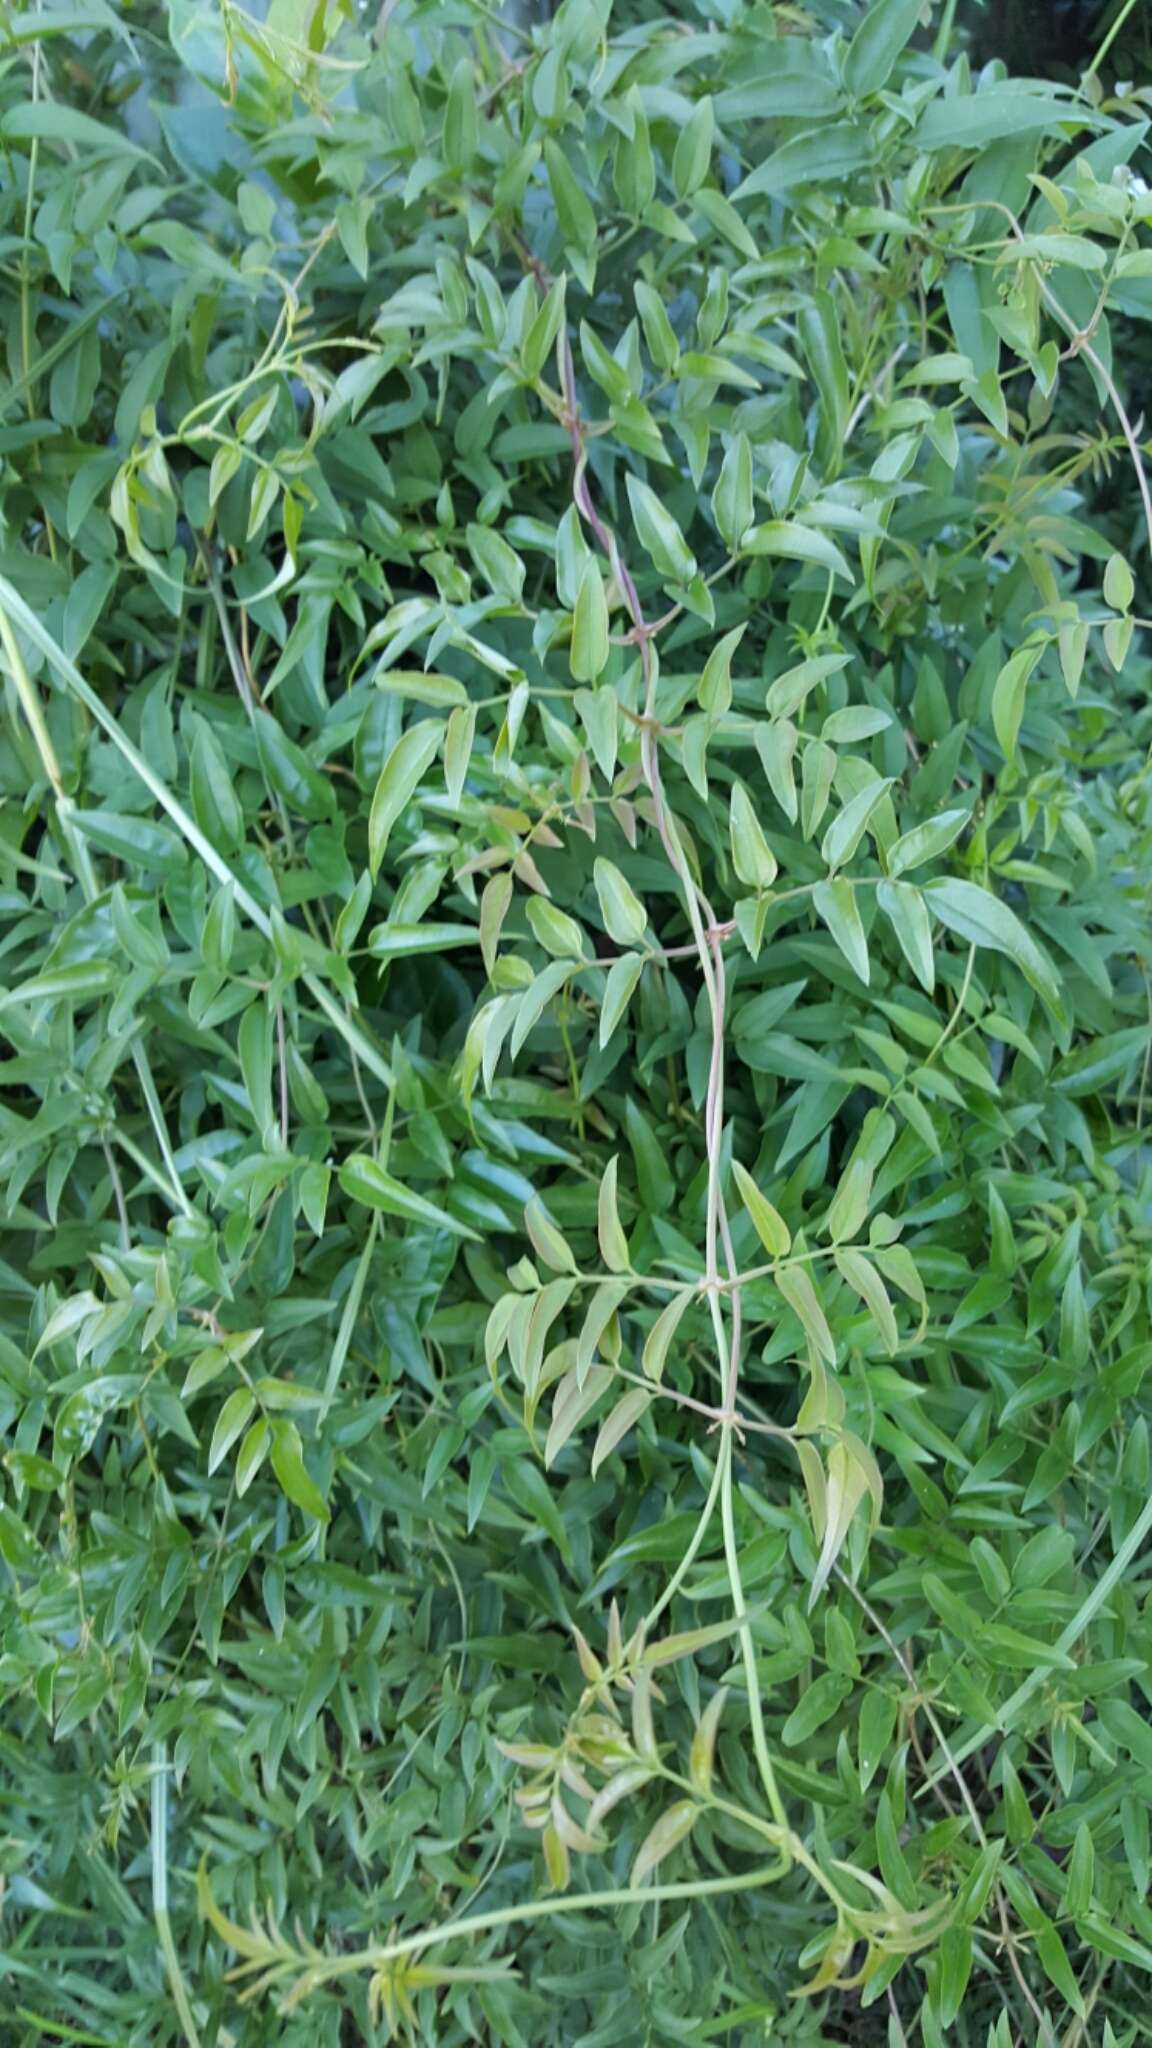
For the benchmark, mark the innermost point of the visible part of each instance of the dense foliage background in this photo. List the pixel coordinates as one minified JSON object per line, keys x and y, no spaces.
{"x":575,"y":850}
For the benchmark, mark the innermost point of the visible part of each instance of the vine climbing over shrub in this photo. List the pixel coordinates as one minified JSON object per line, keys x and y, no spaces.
{"x":575,"y":846}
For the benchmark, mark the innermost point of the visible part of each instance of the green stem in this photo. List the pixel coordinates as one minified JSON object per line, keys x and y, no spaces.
{"x":538,"y":1909}
{"x":1109,"y":39}
{"x":179,"y":1989}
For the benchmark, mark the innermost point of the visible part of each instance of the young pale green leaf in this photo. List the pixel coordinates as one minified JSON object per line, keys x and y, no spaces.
{"x":288,"y":1464}
{"x":983,"y":920}
{"x":693,"y":153}
{"x":459,"y":740}
{"x":422,"y":686}
{"x":499,"y":564}
{"x":618,"y":1422}
{"x":541,"y":336}
{"x":835,"y":905}
{"x":767,"y":1222}
{"x":847,"y":830}
{"x":620,"y":1786}
{"x":558,"y":933}
{"x":776,"y":747}
{"x":548,"y":1242}
{"x":663,"y":346}
{"x":599,"y":712}
{"x":572,"y":558}
{"x":619,"y":988}
{"x":660,"y":536}
{"x":1119,"y":587}
{"x":406,"y":941}
{"x":588,"y":649}
{"x":1009,"y":695}
{"x":818,"y":326}
{"x":1072,"y":641}
{"x":792,"y":542}
{"x":574,"y":209}
{"x":601,"y":1311}
{"x":927,"y":841}
{"x":799,"y":1292}
{"x":714,"y":690}
{"x":234,"y":1417}
{"x":625,"y":917}
{"x":494,"y":903}
{"x":904,"y":907}
{"x":663,"y":1330}
{"x":574,"y":1399}
{"x":851,"y":1202}
{"x":863,"y":1278}
{"x":412,"y":755}
{"x":673,"y":1827}
{"x":845,"y":1486}
{"x":1080,"y":1875}
{"x":702,"y":1755}
{"x":788,"y":692}
{"x":252,"y":1453}
{"x":613,"y":1243}
{"x":752,"y":857}
{"x":364,"y":1180}
{"x":461,"y":129}
{"x":732,"y":504}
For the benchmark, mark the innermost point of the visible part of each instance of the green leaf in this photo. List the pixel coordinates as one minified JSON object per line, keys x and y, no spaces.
{"x":1075,"y":251}
{"x":800,"y":1294}
{"x":234,"y":1417}
{"x":752,"y":857}
{"x":768,"y":1224}
{"x":1013,"y":107}
{"x":905,"y":908}
{"x":825,"y":155}
{"x":983,"y":920}
{"x":884,"y":32}
{"x":588,"y":648}
{"x":461,"y":134}
{"x":288,"y":1465}
{"x":927,"y":841}
{"x":406,"y":941}
{"x":558,"y":933}
{"x":412,"y":755}
{"x":252,"y":1454}
{"x":835,"y":905}
{"x":549,"y":1243}
{"x":847,"y":830}
{"x":625,"y":917}
{"x":796,"y":543}
{"x":136,"y":841}
{"x":818,"y":326}
{"x":673,"y":1827}
{"x":574,"y":209}
{"x":617,"y":1424}
{"x":1008,"y":697}
{"x":865,"y":1281}
{"x":732,"y":506}
{"x":613,"y":1243}
{"x":714,"y":689}
{"x":619,"y":988}
{"x":661,"y":1334}
{"x":50,"y":121}
{"x":1119,"y":586}
{"x":363,"y":1180}
{"x":693,"y":152}
{"x":659,"y":533}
